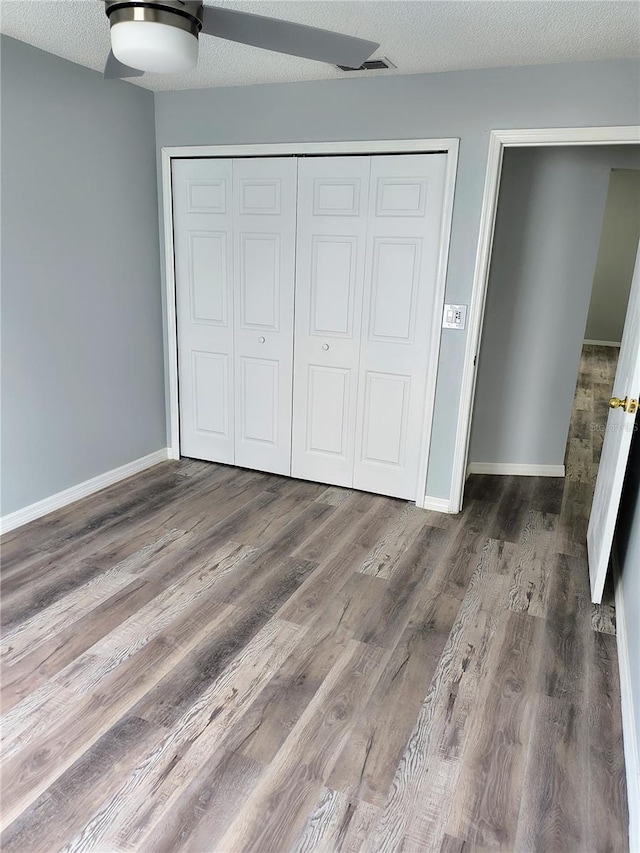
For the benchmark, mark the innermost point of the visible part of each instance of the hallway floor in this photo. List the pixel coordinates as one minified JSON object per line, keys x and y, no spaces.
{"x":211,"y":659}
{"x":590,"y":410}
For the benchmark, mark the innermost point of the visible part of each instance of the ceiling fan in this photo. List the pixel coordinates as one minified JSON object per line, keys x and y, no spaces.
{"x":162,"y":36}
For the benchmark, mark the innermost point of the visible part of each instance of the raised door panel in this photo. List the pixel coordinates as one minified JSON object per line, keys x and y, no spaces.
{"x":259,"y":394}
{"x":264,"y":218}
{"x":405,"y":214}
{"x":260,"y":283}
{"x":395,"y":280}
{"x":207,"y":260}
{"x":330,"y":255}
{"x":333,"y":285}
{"x":210,"y":372}
{"x":400,"y":196}
{"x":202,"y":194}
{"x":385,"y":418}
{"x":328,"y":410}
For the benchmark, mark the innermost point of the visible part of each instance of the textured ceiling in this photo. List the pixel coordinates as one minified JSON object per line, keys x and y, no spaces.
{"x":417,"y":36}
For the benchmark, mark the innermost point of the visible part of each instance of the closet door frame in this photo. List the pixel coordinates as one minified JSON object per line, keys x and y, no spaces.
{"x":449,"y":146}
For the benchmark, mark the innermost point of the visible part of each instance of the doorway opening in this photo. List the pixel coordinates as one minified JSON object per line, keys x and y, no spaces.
{"x":551,"y":549}
{"x":560,"y":275}
{"x":565,"y":238}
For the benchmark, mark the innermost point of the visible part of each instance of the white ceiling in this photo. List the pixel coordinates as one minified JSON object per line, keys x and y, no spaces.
{"x":418,"y":36}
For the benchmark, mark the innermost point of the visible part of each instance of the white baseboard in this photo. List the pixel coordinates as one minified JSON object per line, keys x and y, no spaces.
{"x":516,"y":469}
{"x":436,"y":504}
{"x":629,"y":733}
{"x":82,"y":490}
{"x":603,"y":343}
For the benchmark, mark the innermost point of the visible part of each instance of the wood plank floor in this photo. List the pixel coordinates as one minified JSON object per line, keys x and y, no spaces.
{"x":210,"y":659}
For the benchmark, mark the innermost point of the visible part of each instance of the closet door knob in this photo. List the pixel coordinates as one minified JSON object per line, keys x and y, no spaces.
{"x":261,"y":340}
{"x":325,"y":347}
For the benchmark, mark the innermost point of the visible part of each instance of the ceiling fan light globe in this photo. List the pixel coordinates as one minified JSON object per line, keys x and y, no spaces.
{"x":155,"y":47}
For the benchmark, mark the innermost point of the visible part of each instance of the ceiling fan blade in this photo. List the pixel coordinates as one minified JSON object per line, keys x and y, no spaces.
{"x":286,"y":37}
{"x":114,"y":69}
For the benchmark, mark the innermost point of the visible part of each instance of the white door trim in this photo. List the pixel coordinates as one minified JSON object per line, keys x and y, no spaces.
{"x":171,"y":355}
{"x":499,"y":140}
{"x":449,"y":146}
{"x":285,"y":149}
{"x":422,"y":499}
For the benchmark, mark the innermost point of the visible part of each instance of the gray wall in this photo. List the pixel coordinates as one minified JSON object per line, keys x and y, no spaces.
{"x":82,"y":380}
{"x":550,"y":214}
{"x":466,"y":104}
{"x":616,"y":257}
{"x":628,"y":545}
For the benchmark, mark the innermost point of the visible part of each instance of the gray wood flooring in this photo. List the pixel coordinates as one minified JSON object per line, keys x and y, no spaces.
{"x":210,"y":659}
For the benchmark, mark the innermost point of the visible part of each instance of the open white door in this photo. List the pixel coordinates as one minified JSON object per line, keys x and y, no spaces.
{"x":616,"y":445}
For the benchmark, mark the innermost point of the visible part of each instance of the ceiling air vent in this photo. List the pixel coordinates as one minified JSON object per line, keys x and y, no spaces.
{"x":370,"y":65}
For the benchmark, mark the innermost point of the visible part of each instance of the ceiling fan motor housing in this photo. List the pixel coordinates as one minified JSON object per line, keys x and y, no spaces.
{"x":160,"y":37}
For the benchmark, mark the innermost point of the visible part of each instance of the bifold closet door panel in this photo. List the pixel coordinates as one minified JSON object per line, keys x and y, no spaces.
{"x":405,"y":214}
{"x":332,"y":222}
{"x":264,"y":233}
{"x":203,"y":216}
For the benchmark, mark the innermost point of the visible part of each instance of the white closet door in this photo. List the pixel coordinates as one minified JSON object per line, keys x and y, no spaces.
{"x":332,"y":220}
{"x":202,"y":200}
{"x":405,"y":212}
{"x":264,"y":228}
